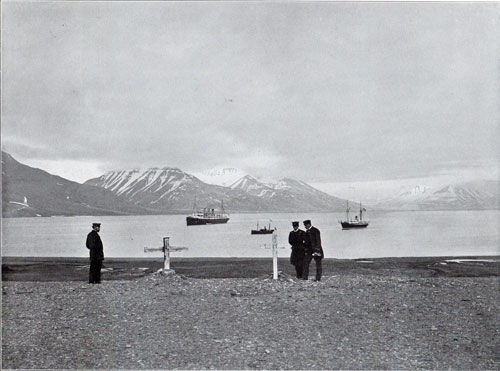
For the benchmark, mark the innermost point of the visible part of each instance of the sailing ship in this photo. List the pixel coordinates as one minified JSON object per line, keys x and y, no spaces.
{"x":265,"y":230}
{"x":207,"y":216}
{"x":349,"y":223}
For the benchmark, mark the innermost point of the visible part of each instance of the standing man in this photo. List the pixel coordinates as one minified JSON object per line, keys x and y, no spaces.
{"x":296,"y":238}
{"x":94,"y":244}
{"x":313,"y":250}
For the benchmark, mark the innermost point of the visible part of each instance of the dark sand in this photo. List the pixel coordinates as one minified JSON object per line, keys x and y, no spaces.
{"x":388,"y":314}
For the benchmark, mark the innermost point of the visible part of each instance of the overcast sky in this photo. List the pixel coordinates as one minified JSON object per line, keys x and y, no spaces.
{"x":321,"y":92}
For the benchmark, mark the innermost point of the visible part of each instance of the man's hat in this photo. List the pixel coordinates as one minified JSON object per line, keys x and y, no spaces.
{"x":307,"y":221}
{"x":96,"y":224}
{"x":295,"y":224}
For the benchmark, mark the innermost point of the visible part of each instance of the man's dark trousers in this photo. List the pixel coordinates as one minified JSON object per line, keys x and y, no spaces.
{"x":95,"y":271}
{"x":299,"y":267}
{"x":319,"y":267}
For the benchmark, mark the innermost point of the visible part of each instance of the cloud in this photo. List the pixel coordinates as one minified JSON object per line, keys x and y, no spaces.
{"x":260,"y":160}
{"x":316,"y":91}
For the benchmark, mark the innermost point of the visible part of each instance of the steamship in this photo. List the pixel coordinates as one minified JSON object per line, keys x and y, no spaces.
{"x":349,"y":223}
{"x":207,"y":216}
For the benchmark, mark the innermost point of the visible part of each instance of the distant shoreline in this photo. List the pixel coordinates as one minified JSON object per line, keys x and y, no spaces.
{"x":185,"y":213}
{"x":76,"y":269}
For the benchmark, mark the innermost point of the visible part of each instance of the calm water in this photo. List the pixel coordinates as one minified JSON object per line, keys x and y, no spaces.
{"x":390,"y":234}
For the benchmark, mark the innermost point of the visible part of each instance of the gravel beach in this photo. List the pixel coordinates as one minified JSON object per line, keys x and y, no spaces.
{"x":346,"y":321}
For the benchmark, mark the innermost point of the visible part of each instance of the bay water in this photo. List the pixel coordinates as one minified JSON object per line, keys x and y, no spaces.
{"x":390,"y":234}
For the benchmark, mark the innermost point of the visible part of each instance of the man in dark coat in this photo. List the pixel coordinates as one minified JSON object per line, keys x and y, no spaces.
{"x":296,"y":238}
{"x":313,"y":250}
{"x":94,"y":244}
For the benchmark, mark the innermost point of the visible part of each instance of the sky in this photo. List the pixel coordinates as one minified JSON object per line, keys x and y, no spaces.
{"x":333,"y":94}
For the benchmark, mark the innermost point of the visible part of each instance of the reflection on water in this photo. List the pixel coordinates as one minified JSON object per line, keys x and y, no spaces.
{"x":434,"y":233}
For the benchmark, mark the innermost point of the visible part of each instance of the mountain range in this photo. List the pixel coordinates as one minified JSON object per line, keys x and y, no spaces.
{"x":172,"y":190}
{"x":28,"y":191}
{"x":471,"y":195}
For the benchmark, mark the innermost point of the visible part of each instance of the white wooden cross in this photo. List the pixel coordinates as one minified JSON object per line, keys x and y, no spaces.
{"x":275,"y":247}
{"x":166,"y":248}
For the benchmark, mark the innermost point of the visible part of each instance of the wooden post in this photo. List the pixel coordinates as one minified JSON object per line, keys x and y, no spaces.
{"x":166,"y":254}
{"x":275,"y":256}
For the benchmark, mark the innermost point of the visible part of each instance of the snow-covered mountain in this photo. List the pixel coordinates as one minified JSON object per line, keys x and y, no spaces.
{"x":478,"y":194}
{"x":163,"y":182}
{"x":418,"y":191}
{"x":172,"y":190}
{"x":289,"y":194}
{"x":167,"y":189}
{"x":223,"y":176}
{"x":252,"y":186}
{"x":473,"y":195}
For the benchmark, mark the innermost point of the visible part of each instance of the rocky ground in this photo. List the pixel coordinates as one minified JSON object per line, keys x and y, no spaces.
{"x":346,"y":321}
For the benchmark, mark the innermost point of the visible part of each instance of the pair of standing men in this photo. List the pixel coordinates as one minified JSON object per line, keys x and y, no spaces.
{"x":94,"y":244}
{"x":305,"y":247}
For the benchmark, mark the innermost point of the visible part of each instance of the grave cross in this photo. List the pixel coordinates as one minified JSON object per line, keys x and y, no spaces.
{"x":275,"y":247}
{"x":166,"y":248}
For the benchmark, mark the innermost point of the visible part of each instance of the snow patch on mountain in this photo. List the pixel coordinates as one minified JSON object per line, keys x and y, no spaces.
{"x":251,"y":185}
{"x":173,"y":185}
{"x":24,"y":203}
{"x":416,"y":191}
{"x":119,"y":181}
{"x":281,"y":185}
{"x":223,"y":176}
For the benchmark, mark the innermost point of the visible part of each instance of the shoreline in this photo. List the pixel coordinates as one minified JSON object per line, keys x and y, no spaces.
{"x":42,"y":269}
{"x":188,"y":212}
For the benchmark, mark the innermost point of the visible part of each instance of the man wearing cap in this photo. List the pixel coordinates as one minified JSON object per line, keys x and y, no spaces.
{"x":313,"y":250}
{"x":94,"y":244}
{"x":296,"y":238}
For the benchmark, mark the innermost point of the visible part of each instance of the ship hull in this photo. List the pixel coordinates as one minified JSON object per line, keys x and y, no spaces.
{"x":203,"y":221}
{"x":347,"y":225}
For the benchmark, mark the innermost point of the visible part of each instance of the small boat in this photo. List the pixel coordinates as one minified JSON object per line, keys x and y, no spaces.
{"x":265,"y":230}
{"x":349,"y":223}
{"x":207,"y":216}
